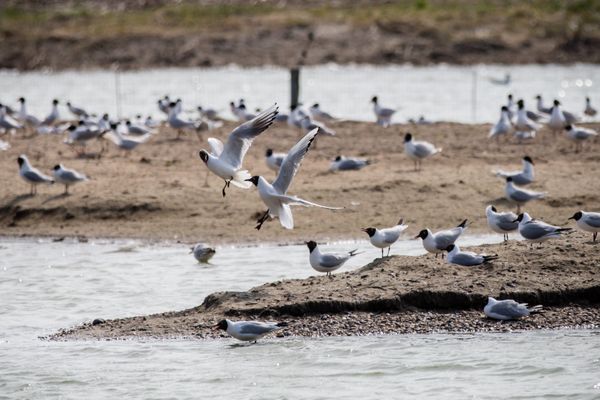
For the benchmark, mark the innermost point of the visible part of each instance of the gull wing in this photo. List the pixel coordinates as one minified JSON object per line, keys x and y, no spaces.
{"x":536,"y":229}
{"x":424,"y":149}
{"x":592,"y":220}
{"x":292,"y":162}
{"x":216,"y":146}
{"x":256,"y":328}
{"x":510,"y":308}
{"x":36,"y":176}
{"x":445,"y":238}
{"x":333,"y":260}
{"x":505,"y":221}
{"x":467,"y":259}
{"x":241,"y":138}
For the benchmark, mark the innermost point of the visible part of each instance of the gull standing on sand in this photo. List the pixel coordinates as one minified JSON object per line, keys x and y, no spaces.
{"x":538,"y":231}
{"x":419,"y":150}
{"x":589,"y":110}
{"x":519,"y":195}
{"x":179,"y":124}
{"x":249,"y":331}
{"x":67,"y":176}
{"x":385,"y":238}
{"x":501,"y":222}
{"x":579,"y":135}
{"x":226,"y":160}
{"x":24,"y":117}
{"x":557,"y":120}
{"x":524,"y":124}
{"x":274,"y":160}
{"x":275,"y":195}
{"x":320,"y":115}
{"x":126,"y":143}
{"x":202,"y":252}
{"x":53,"y":116}
{"x":308,"y":124}
{"x":502,"y":127}
{"x":32,"y":175}
{"x":342,"y":163}
{"x":7,"y":122}
{"x":540,"y":106}
{"x":382,"y":114}
{"x":466,"y":258}
{"x":438,"y":242}
{"x":327,"y":262}
{"x":296,"y":116}
{"x":77,"y":111}
{"x":524,"y":177}
{"x":588,"y":222}
{"x":505,"y":310}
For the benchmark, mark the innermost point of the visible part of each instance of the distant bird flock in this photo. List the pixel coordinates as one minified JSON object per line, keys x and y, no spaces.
{"x":225,"y":160}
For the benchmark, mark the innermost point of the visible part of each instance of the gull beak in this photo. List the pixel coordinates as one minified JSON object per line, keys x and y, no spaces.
{"x":248,"y":180}
{"x":363,"y":229}
{"x":417,"y":237}
{"x":571,"y":218}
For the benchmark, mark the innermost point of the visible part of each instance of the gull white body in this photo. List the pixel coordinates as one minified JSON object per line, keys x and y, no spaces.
{"x":77,"y":111}
{"x":579,"y":135}
{"x":502,"y":127}
{"x":538,"y":231}
{"x":32,"y":175}
{"x":385,"y":238}
{"x":383,"y":115}
{"x":519,"y":195}
{"x":466,"y":258}
{"x":541,"y":108}
{"x":68,"y":177}
{"x":501,"y":222}
{"x":588,"y":222}
{"x":523,"y":123}
{"x":126,"y":143}
{"x":438,"y":242}
{"x":342,"y":163}
{"x":53,"y":116}
{"x":320,"y":115}
{"x":250,"y":331}
{"x":7,"y":122}
{"x":557,"y":120}
{"x":505,"y":310}
{"x":25,"y":117}
{"x":523,"y":177}
{"x":202,"y":253}
{"x":419,"y":150}
{"x":328,"y":262}
{"x":308,"y":124}
{"x":589,"y":110}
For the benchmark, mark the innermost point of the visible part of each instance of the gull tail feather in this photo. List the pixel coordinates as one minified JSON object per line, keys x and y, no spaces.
{"x":239,"y":179}
{"x":293,"y":201}
{"x":285,"y":216}
{"x":536,"y":309}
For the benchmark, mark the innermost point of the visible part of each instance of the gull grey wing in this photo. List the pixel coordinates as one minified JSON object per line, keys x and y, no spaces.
{"x":467,"y":259}
{"x":510,"y":308}
{"x":256,"y":328}
{"x":35,"y":177}
{"x":570,"y":118}
{"x":423,"y":150}
{"x":292,"y":161}
{"x":391,"y":236}
{"x":386,"y":112}
{"x":505,"y":221}
{"x":593,"y":220}
{"x":350,"y":164}
{"x":72,"y":176}
{"x":522,"y":196}
{"x":444,"y":239}
{"x":241,"y":138}
{"x":332,"y":260}
{"x":536,"y":229}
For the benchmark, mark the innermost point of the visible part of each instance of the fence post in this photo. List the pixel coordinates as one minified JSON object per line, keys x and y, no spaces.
{"x":474,"y":96}
{"x":295,"y":92}
{"x":118,"y":90}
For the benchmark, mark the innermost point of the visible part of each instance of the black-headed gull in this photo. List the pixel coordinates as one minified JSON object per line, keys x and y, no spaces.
{"x":32,"y":175}
{"x":419,"y":150}
{"x":342,"y":163}
{"x":53,"y":116}
{"x":466,"y":258}
{"x":24,"y":117}
{"x":523,"y":177}
{"x":501,"y":222}
{"x":540,"y":106}
{"x":320,"y":115}
{"x":274,"y":160}
{"x":502,"y":127}
{"x":385,"y":238}
{"x":579,"y":135}
{"x":505,"y":310}
{"x":535,"y":230}
{"x":589,"y":110}
{"x":67,"y":176}
{"x":438,"y":242}
{"x":249,"y":331}
{"x":588,"y":222}
{"x":275,"y":195}
{"x":77,"y":111}
{"x":226,"y":160}
{"x":202,"y":253}
{"x":523,"y":122}
{"x":383,"y":115}
{"x":519,"y":195}
{"x":327,"y":262}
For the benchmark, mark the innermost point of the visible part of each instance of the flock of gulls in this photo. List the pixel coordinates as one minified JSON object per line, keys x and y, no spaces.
{"x":225,"y":160}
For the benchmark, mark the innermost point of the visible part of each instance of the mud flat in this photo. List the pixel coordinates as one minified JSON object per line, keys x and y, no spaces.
{"x":397,"y":294}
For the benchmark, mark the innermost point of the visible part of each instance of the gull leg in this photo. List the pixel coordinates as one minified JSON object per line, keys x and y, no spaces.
{"x":594,"y":237}
{"x":227,"y":182}
{"x":262,"y":220}
{"x":66,"y":189}
{"x":518,"y":208}
{"x":31,"y":193}
{"x":389,"y":248}
{"x":381,"y":253}
{"x":206,"y":178}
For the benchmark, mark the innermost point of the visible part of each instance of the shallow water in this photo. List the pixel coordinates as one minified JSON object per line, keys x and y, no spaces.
{"x":45,"y":286}
{"x":440,"y":92}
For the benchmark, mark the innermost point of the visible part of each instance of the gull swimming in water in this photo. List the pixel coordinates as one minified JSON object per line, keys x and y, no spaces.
{"x":501,"y":222}
{"x":226,"y":160}
{"x":327,"y":262}
{"x":466,"y":258}
{"x":505,"y":310}
{"x":274,"y":160}
{"x":419,"y":150}
{"x":275,"y":195}
{"x":438,"y":242}
{"x":202,"y":253}
{"x":32,"y":175}
{"x":67,"y":176}
{"x":589,"y":110}
{"x":588,"y":221}
{"x":382,"y":114}
{"x":524,"y":177}
{"x":519,"y":195}
{"x":342,"y":163}
{"x":385,"y":238}
{"x":538,"y":231}
{"x":502,"y":127}
{"x":249,"y":331}
{"x":579,"y":135}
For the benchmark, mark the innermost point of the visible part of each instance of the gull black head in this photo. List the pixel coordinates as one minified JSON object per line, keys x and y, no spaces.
{"x":504,"y":108}
{"x":556,"y":102}
{"x":71,"y":128}
{"x":55,"y":102}
{"x":519,"y":218}
{"x":21,"y":160}
{"x":105,"y":117}
{"x":520,"y":104}
{"x":171,"y":104}
{"x":577,"y":216}
{"x":21,"y":100}
{"x":528,"y":159}
{"x":538,"y":97}
{"x":374,"y":99}
{"x":509,"y":179}
{"x":407,"y":137}
{"x":269,"y":152}
{"x":254,"y":180}
{"x":510,"y":97}
{"x":311,"y":245}
{"x":316,"y":105}
{"x":222,"y":325}
{"x":113,"y":126}
{"x":338,"y":158}
{"x":369,"y":231}
{"x":568,"y":127}
{"x":56,"y":167}
{"x":242,"y":106}
{"x":203,"y":155}
{"x":587,"y":99}
{"x":128,"y":123}
{"x":450,"y":248}
{"x":69,"y":103}
{"x":423,"y":234}
{"x":494,"y":209}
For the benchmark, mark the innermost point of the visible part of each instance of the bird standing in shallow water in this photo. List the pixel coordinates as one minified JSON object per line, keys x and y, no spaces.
{"x":248,"y":331}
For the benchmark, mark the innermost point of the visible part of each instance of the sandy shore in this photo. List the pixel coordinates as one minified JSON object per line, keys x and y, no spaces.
{"x":158,"y":191}
{"x":397,"y":294}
